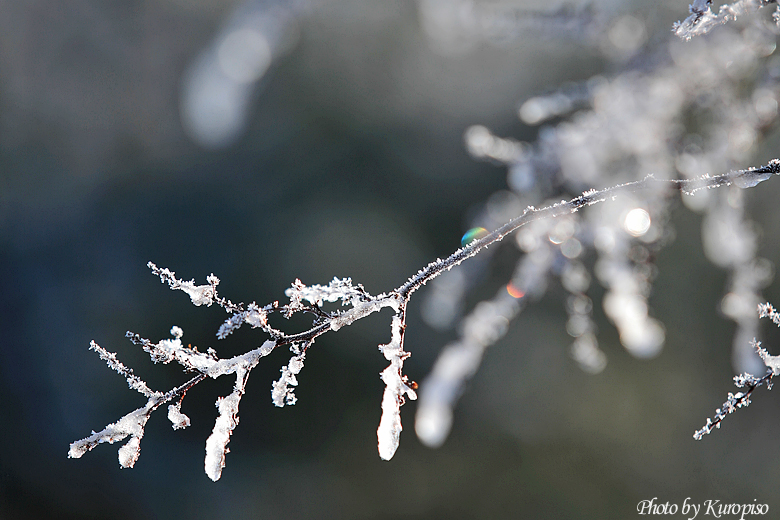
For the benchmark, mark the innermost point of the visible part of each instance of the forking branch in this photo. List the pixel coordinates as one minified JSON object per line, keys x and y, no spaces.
{"x":310,"y":300}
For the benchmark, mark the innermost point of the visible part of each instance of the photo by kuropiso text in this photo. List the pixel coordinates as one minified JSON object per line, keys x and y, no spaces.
{"x":690,"y":509}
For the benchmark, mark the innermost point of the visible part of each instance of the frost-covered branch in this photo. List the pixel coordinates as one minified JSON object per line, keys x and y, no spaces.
{"x":133,"y":425}
{"x":309,"y":299}
{"x":133,"y":381}
{"x":735,"y":401}
{"x":747,"y":381}
{"x":359,"y":303}
{"x":207,"y":365}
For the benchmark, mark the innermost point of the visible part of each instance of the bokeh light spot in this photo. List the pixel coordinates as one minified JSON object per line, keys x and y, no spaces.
{"x":637,"y":222}
{"x":514,"y":292}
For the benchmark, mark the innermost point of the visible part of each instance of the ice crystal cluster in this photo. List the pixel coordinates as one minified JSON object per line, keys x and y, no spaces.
{"x":597,"y":187}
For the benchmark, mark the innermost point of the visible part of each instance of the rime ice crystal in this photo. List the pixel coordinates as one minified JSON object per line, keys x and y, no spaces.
{"x":747,"y":381}
{"x":178,"y":419}
{"x":282,"y":392}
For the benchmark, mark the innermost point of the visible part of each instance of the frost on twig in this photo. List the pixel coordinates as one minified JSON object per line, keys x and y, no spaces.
{"x":133,"y":381}
{"x":206,"y":365}
{"x":253,"y":314}
{"x":396,"y":386}
{"x":338,"y":289}
{"x":747,"y":381}
{"x":199,"y":294}
{"x":766,"y":310}
{"x":131,"y":424}
{"x":488,"y":324}
{"x":308,"y":299}
{"x":702,"y":20}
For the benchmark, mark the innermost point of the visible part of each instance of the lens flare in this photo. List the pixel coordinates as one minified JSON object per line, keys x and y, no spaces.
{"x":514,"y":292}
{"x":472,"y":235}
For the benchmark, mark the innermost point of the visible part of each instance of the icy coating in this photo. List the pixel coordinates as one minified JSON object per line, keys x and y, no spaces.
{"x":396,"y":386}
